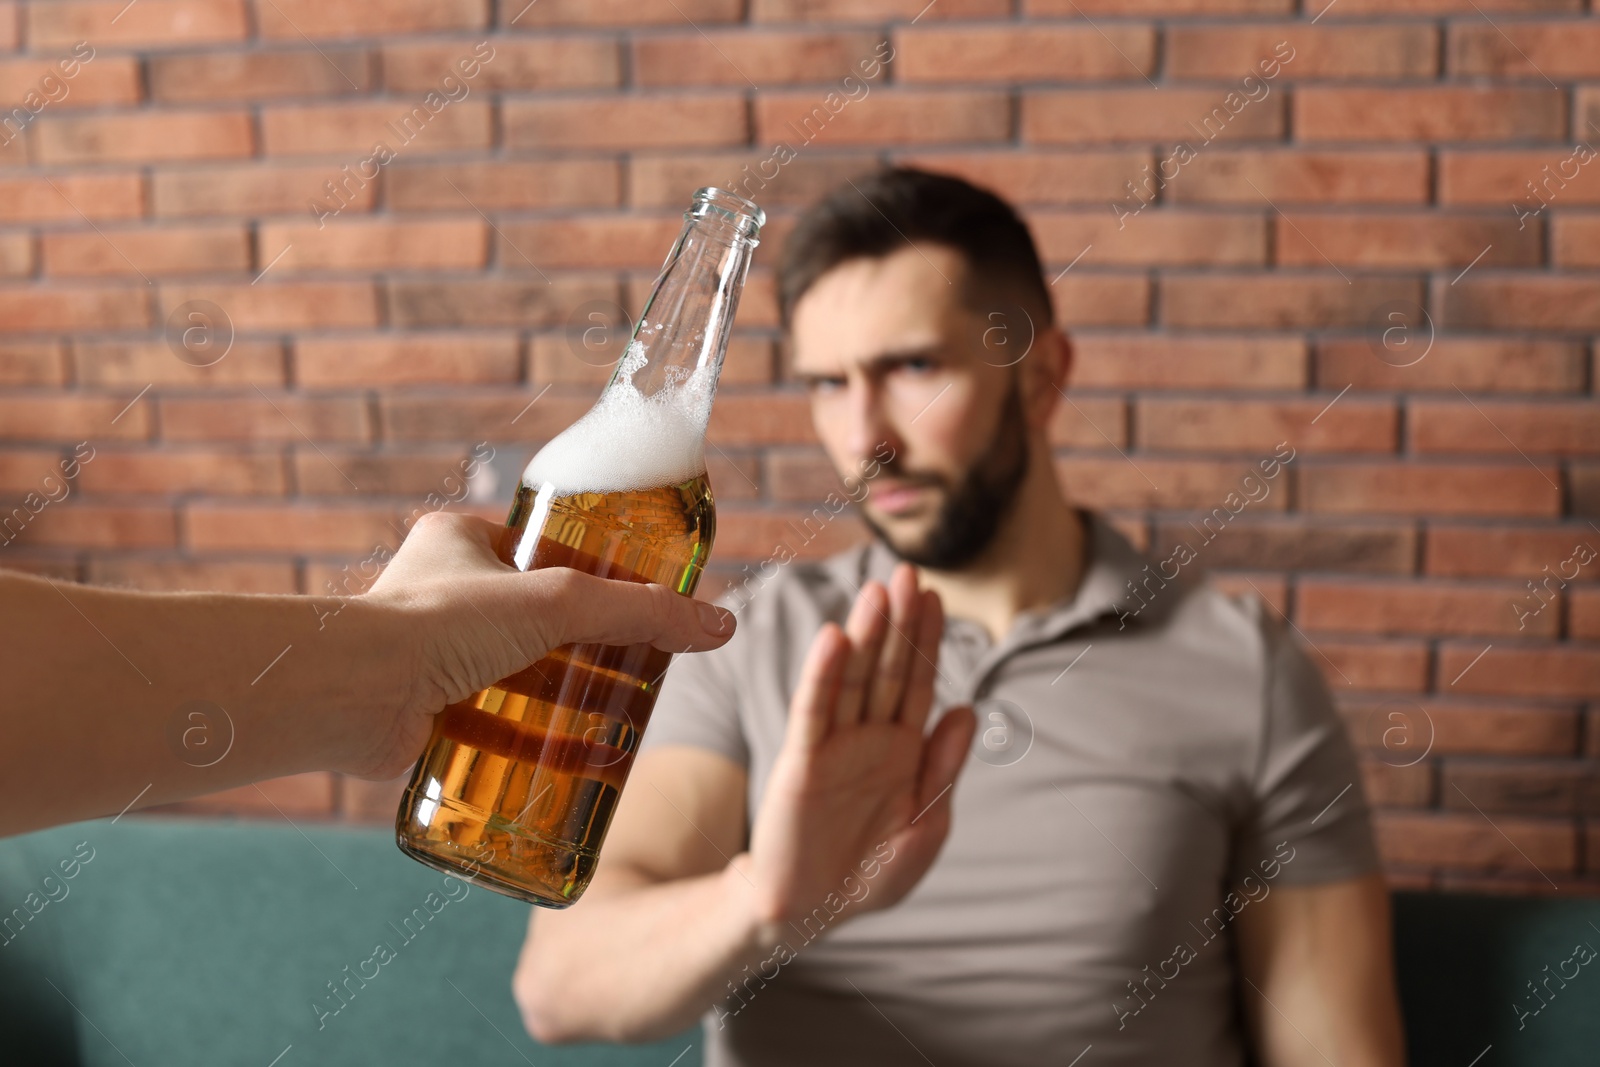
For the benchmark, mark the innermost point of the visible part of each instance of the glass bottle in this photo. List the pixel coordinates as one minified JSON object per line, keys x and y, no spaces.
{"x":519,"y":781}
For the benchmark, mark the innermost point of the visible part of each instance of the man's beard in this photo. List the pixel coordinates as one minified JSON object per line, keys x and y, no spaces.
{"x":973,"y":511}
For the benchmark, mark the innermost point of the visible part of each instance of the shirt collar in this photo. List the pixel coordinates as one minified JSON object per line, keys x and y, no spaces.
{"x":1112,"y":563}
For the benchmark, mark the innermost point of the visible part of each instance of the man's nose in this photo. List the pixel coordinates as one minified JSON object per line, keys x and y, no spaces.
{"x":870,"y":424}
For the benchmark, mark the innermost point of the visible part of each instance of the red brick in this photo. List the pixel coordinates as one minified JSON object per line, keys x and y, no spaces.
{"x":1583,"y":482}
{"x":1056,"y":53}
{"x":1285,"y":543}
{"x":1453,"y":728}
{"x":372,"y":245}
{"x":1279,"y":301}
{"x":626,"y":122}
{"x":1519,"y":301}
{"x":295,"y":20}
{"x":540,"y":63}
{"x":75,"y":525}
{"x":16,"y":255}
{"x":1084,"y":299}
{"x":668,"y":180}
{"x":1391,"y":240}
{"x":1390,"y":786}
{"x":32,"y":363}
{"x":9,"y":25}
{"x":1572,"y":240}
{"x":1430,"y":489}
{"x":103,"y":80}
{"x":485,"y":303}
{"x":1195,"y":425}
{"x":142,"y":136}
{"x":1293,"y":176}
{"x":909,"y":116}
{"x":412,"y":474}
{"x":1506,"y":49}
{"x":1041,"y":176}
{"x":148,"y":23}
{"x":1227,"y":53}
{"x":282,"y":305}
{"x":175,"y":575}
{"x":504,"y":414}
{"x":1117,"y":483}
{"x":24,"y":470}
{"x":1130,"y":8}
{"x":1583,"y":616}
{"x":594,"y":241}
{"x":269,"y":527}
{"x":626,"y":13}
{"x":1497,"y":179}
{"x":59,"y":417}
{"x":1440,"y":113}
{"x":1570,"y":671}
{"x":1470,"y":840}
{"x":504,"y":184}
{"x":141,"y":363}
{"x":1393,"y":665}
{"x":1526,"y":787}
{"x":251,"y":189}
{"x":1177,"y":361}
{"x":762,"y":419}
{"x":735,"y":57}
{"x":60,"y":197}
{"x":1469,"y":8}
{"x":1501,"y":427}
{"x":761,"y":535}
{"x":272,"y":417}
{"x":1475,"y":364}
{"x":400,"y":359}
{"x":1493,"y":551}
{"x":1418,"y":608}
{"x":873,"y":10}
{"x":800,"y":475}
{"x":199,"y":78}
{"x":1270,"y":589}
{"x":1091,"y":423}
{"x":350,"y":131}
{"x":60,"y":308}
{"x":1089,"y":116}
{"x":1165,"y":237}
{"x":188,"y":471}
{"x":125,"y":252}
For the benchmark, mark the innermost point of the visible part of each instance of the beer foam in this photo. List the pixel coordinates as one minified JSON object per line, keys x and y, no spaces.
{"x":628,"y":440}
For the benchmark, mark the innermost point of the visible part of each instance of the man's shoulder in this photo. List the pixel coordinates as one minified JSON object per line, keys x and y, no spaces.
{"x":796,"y":590}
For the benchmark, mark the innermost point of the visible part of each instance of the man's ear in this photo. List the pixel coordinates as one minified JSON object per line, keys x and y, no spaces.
{"x":1045,"y":374}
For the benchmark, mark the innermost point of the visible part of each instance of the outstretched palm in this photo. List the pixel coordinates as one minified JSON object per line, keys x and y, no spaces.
{"x":856,"y":771}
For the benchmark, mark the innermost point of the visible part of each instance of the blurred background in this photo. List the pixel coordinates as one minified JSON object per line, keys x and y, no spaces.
{"x":287,"y":272}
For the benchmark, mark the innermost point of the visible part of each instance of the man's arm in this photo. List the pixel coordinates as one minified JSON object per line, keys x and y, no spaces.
{"x":677,"y":910}
{"x":1318,"y":968}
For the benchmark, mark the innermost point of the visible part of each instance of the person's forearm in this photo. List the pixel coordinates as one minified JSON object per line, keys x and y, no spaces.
{"x":211,"y":696}
{"x":639,"y":964}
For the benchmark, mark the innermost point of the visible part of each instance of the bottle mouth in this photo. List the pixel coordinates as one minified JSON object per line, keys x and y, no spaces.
{"x":719,"y":203}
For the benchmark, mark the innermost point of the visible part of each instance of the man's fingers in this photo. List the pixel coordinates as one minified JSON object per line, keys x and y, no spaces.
{"x":811,"y":711}
{"x":889,"y":680}
{"x":943,"y":756}
{"x":570,"y":605}
{"x":918,"y":699}
{"x":866,"y":625}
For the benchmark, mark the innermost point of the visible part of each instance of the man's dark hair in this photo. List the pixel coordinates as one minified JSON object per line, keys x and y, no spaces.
{"x":876,"y":216}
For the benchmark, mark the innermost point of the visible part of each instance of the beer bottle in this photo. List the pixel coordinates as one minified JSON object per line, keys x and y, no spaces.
{"x":518,"y":782}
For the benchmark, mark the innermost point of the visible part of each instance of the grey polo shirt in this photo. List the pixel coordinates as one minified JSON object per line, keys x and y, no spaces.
{"x":1137,"y":780}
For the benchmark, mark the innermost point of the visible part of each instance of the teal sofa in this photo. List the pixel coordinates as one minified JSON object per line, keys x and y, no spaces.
{"x":178,"y":942}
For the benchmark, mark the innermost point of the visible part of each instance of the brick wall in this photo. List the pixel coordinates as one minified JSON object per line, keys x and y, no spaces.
{"x":1381,"y":248}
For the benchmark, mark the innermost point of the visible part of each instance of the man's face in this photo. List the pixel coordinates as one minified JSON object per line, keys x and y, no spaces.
{"x":895,"y":359}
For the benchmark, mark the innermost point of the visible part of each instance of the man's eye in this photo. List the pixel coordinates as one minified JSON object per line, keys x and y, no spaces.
{"x":919,"y":365}
{"x":824,"y":385}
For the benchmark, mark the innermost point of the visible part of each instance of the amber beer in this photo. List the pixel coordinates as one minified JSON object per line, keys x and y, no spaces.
{"x":529,"y":771}
{"x":532,"y":767}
